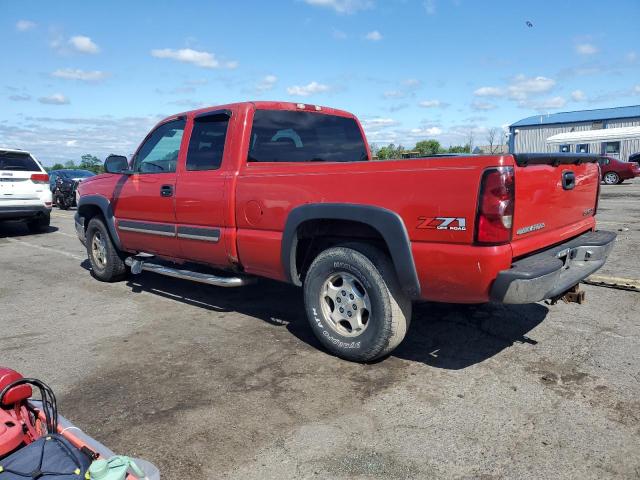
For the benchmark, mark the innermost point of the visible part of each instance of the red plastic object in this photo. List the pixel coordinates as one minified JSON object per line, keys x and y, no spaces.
{"x":16,"y":394}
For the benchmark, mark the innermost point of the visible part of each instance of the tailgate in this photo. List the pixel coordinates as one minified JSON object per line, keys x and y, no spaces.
{"x":16,"y":169}
{"x":555,"y":199}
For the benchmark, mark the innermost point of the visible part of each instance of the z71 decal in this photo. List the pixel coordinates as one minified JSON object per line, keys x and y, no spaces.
{"x":442,"y":223}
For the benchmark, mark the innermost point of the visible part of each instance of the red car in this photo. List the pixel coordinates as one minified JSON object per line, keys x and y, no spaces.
{"x":615,"y":171}
{"x":287,"y":191}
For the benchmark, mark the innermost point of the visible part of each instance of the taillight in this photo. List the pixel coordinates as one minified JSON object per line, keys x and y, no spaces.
{"x":495,"y":206}
{"x":40,"y":178}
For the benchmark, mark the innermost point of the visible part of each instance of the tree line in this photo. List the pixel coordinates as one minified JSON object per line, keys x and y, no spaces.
{"x":423,"y":148}
{"x":87,"y":162}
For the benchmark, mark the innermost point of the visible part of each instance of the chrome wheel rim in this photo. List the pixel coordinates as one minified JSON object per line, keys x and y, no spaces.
{"x":345,"y":304}
{"x":610,"y":178}
{"x":99,"y":250}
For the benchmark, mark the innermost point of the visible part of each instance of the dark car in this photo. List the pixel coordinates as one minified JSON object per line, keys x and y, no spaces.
{"x":70,"y":174}
{"x":635,"y":158}
{"x":615,"y":171}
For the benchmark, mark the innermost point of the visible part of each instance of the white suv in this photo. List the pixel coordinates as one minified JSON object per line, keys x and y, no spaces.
{"x":24,"y":190}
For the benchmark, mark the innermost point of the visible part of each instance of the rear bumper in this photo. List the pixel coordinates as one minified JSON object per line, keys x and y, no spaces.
{"x":18,"y":212}
{"x":553,"y":271}
{"x":79,"y":223}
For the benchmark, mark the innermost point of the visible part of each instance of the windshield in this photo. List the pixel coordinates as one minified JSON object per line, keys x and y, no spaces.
{"x":18,"y":161}
{"x":75,"y":173}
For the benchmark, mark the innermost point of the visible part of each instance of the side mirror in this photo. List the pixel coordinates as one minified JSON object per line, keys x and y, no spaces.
{"x":116,"y":164}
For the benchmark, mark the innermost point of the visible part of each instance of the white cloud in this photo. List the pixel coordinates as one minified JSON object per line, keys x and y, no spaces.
{"x":433,"y":104}
{"x":489,"y":92}
{"x":342,"y":6}
{"x":83,"y":75}
{"x":632,"y":57}
{"x":20,"y":97}
{"x":55,"y":99}
{"x":586,"y":49}
{"x":636,"y":89}
{"x":544,"y":104}
{"x":483,"y":106}
{"x":432,"y":131}
{"x":429,"y":6}
{"x":24,"y":25}
{"x":393,"y":94}
{"x":187,"y":55}
{"x":83,"y":44}
{"x":411,"y":82}
{"x":60,"y":139}
{"x":578,"y":96}
{"x":266,"y":84}
{"x":522,"y":86}
{"x":378,"y":123}
{"x":338,"y":34}
{"x":306,"y":90}
{"x":374,"y":36}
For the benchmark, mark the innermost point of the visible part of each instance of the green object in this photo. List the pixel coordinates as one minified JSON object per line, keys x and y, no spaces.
{"x":116,"y":468}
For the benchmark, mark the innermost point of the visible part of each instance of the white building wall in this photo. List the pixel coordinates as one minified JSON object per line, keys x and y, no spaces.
{"x":532,"y":139}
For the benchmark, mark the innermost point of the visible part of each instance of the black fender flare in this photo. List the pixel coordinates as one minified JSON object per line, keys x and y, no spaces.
{"x":386,"y":222}
{"x":107,"y":212}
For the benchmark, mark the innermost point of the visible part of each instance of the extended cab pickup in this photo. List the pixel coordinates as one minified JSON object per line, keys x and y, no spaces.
{"x":289,"y":192}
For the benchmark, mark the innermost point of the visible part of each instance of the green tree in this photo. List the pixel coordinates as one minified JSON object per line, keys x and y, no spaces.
{"x":90,"y":162}
{"x":459,"y":149}
{"x":390,"y":151}
{"x":57,"y":166}
{"x":69,"y":164}
{"x":428,"y":147}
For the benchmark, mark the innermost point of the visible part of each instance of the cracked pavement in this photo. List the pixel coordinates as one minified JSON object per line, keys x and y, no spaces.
{"x":214,"y":383}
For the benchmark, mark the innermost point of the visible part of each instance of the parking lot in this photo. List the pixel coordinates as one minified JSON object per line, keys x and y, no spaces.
{"x":214,"y":383}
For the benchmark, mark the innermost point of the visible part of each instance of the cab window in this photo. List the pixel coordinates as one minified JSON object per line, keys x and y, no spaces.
{"x":206,"y":145}
{"x":159,"y":152}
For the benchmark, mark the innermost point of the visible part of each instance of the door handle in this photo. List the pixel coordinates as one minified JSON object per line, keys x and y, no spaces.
{"x":166,"y":190}
{"x":568,"y":180}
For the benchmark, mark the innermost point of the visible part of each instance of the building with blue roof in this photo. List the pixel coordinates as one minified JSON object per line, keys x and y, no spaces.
{"x":606,"y":131}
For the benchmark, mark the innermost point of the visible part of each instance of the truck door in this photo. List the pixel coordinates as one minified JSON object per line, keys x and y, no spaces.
{"x":201,"y":196}
{"x":143,"y":202}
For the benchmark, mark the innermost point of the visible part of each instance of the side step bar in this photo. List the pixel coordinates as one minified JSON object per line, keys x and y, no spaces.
{"x":137,"y":265}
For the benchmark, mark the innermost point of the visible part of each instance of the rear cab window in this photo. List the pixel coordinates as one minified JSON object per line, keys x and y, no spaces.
{"x":18,"y":162}
{"x":293,"y":136}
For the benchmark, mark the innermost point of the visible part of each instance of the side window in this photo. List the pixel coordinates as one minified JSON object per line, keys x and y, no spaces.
{"x":582,"y":148}
{"x":159,"y":152}
{"x":206,"y":145}
{"x":565,"y":148}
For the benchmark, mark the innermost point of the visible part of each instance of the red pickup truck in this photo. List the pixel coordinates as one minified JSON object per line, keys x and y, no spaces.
{"x":289,"y":192}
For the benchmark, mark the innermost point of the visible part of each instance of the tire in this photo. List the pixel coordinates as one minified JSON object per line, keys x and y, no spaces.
{"x":611,"y":178}
{"x":40,"y":223}
{"x":106,"y":262}
{"x":383,"y":312}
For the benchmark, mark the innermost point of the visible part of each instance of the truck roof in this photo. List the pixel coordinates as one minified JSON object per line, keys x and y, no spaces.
{"x":267,"y":105}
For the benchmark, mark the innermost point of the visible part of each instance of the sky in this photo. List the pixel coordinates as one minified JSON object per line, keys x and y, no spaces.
{"x":93,"y":77}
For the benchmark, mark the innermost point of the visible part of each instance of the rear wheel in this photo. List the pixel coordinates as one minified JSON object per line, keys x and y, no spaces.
{"x":355,"y":304}
{"x":40,"y":223}
{"x":106,"y":263}
{"x":611,"y":178}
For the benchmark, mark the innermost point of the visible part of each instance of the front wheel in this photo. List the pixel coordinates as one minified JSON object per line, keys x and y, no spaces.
{"x":106,"y":264}
{"x":355,"y":304}
{"x":611,"y":178}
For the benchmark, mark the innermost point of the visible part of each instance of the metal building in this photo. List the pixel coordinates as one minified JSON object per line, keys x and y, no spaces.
{"x":607,"y":131}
